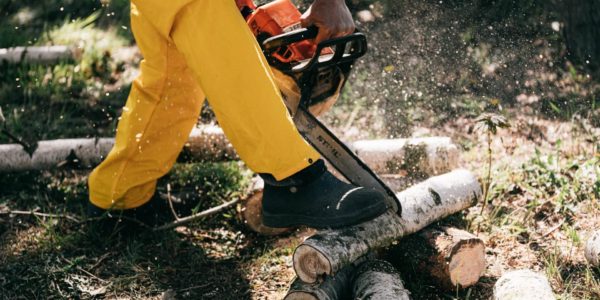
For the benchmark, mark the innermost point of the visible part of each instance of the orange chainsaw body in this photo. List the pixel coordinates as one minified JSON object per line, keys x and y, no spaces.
{"x":275,"y":18}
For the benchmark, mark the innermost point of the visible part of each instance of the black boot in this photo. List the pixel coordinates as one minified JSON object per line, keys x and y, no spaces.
{"x":315,"y":198}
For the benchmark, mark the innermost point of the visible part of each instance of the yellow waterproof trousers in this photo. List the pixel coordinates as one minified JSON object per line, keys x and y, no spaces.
{"x":193,"y":49}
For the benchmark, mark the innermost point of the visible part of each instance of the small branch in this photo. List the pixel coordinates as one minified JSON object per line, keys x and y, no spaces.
{"x":197,"y":216}
{"x":171,"y":202}
{"x":83,"y":270}
{"x":39,"y":214}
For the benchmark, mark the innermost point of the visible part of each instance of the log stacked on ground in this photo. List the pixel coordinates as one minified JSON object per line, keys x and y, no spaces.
{"x":452,"y":257}
{"x":40,"y":55}
{"x":332,"y":288}
{"x":419,"y":157}
{"x":329,"y":251}
{"x":205,"y":143}
{"x":378,"y":280}
{"x":592,"y":249}
{"x":377,"y":154}
{"x":523,"y":285}
{"x":208,"y":143}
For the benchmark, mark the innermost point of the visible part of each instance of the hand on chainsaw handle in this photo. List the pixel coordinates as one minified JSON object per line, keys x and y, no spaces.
{"x":332,"y":17}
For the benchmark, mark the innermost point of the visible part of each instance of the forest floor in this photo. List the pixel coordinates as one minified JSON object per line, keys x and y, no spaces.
{"x":545,"y":169}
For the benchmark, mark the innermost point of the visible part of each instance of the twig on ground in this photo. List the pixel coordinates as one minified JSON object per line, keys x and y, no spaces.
{"x":39,"y":214}
{"x":83,"y":270}
{"x":197,"y":216}
{"x":171,"y":202}
{"x":557,"y":226}
{"x":100,"y":260}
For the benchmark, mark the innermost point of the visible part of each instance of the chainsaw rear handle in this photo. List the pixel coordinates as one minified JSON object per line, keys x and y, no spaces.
{"x":356,"y":44}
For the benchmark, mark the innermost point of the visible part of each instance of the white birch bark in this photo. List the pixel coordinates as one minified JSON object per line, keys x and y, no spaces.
{"x":205,"y":143}
{"x":329,"y":251}
{"x":40,"y":55}
{"x":378,"y":280}
{"x":418,"y":156}
{"x":523,"y":285}
{"x":592,"y":249}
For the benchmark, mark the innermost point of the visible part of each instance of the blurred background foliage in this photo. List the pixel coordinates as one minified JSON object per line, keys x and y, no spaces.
{"x":429,"y":61}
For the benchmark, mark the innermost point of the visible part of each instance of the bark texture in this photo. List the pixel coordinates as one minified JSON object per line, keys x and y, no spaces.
{"x":40,"y":55}
{"x":592,"y":249}
{"x":332,"y":288}
{"x":205,"y":143}
{"x":452,"y":257}
{"x":378,"y":280}
{"x":523,"y":285}
{"x":418,"y":157}
{"x":329,"y":251}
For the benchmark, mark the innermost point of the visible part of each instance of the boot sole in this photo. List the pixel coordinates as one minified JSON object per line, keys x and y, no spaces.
{"x":292,"y":220}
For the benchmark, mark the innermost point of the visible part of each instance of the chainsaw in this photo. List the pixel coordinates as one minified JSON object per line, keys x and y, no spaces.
{"x":310,"y":77}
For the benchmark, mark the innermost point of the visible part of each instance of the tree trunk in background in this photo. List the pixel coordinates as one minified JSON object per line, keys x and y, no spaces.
{"x":582,"y":31}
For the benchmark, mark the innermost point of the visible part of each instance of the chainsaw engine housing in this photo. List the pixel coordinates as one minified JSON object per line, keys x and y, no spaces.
{"x":280,"y":17}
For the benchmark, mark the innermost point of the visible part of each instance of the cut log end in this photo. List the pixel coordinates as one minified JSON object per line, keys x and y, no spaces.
{"x":467,"y":264}
{"x":300,"y":295}
{"x":252,"y":215}
{"x":523,"y":285}
{"x":310,"y":264}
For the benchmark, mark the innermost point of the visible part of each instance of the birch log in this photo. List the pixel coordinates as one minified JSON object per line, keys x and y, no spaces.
{"x":523,"y":285}
{"x":452,"y":257}
{"x":378,"y":280}
{"x":205,"y":143}
{"x":332,"y":288}
{"x":592,"y":249}
{"x":41,"y":55}
{"x":328,"y":251}
{"x":419,"y":157}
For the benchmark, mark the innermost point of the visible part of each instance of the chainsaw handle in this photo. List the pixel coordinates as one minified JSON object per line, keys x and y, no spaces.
{"x":273,"y":43}
{"x":356,"y":43}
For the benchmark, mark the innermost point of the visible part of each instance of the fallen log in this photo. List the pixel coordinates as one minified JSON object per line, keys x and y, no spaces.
{"x":452,"y":257}
{"x":332,"y":288}
{"x":523,"y":285}
{"x":592,"y":249}
{"x":38,"y":54}
{"x":205,"y":143}
{"x":419,"y":157}
{"x":378,"y":280}
{"x":329,"y":251}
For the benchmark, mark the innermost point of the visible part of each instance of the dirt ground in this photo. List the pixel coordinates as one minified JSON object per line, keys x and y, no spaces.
{"x":432,"y":69}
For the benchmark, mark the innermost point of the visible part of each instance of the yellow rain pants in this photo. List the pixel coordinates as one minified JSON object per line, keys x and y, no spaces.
{"x":193,"y":49}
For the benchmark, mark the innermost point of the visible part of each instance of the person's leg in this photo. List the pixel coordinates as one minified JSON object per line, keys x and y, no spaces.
{"x":161,"y":110}
{"x":229,"y":65}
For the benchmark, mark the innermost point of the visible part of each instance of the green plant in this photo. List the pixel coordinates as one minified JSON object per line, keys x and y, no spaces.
{"x":489,"y":123}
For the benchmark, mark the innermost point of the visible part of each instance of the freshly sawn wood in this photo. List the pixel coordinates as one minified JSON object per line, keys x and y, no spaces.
{"x":205,"y":143}
{"x":523,"y":285}
{"x":419,"y":157}
{"x":452,"y":257}
{"x":378,"y":280}
{"x":329,"y":251}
